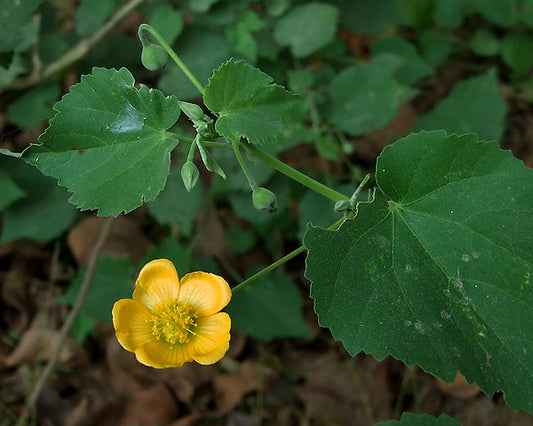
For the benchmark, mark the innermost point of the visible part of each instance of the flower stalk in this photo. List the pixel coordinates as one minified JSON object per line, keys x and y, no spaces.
{"x":172,"y":54}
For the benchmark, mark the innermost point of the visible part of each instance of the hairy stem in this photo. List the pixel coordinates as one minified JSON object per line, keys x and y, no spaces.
{"x":67,"y":325}
{"x":296,"y":175}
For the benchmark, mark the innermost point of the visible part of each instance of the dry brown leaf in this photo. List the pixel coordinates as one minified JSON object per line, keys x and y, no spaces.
{"x":153,"y":406}
{"x":230,"y":388}
{"x":125,"y":238}
{"x":130,"y":373}
{"x":214,"y":244}
{"x":188,"y":420}
{"x":16,"y":312}
{"x":38,"y":344}
{"x":459,"y":388}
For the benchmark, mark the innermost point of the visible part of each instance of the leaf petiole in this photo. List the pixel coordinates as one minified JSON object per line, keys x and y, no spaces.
{"x":192,"y":149}
{"x":296,"y":175}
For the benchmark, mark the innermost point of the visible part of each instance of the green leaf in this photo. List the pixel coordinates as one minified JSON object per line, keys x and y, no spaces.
{"x":112,"y":280}
{"x":247,"y":103}
{"x":503,"y":13}
{"x":371,"y":18}
{"x":410,"y":419}
{"x":435,"y":47}
{"x":92,"y":14}
{"x":416,"y":13}
{"x":108,"y":142}
{"x":474,"y":105}
{"x":176,"y":206}
{"x":413,"y":68}
{"x":484,"y":43}
{"x":450,"y":14}
{"x":82,"y":327}
{"x":437,"y":269}
{"x":43,"y":214}
{"x":240,"y":34}
{"x":240,"y":239}
{"x":270,"y":308}
{"x":15,"y":67}
{"x":201,"y":6}
{"x":516,"y":48}
{"x":307,"y":28}
{"x":365,"y":97}
{"x":14,"y":14}
{"x":34,"y":107}
{"x":10,"y":190}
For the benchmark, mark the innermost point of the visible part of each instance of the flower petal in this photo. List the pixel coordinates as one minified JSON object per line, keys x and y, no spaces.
{"x":213,"y":356}
{"x":207,"y":293}
{"x":160,"y":354}
{"x":211,"y":340}
{"x":157,"y":283}
{"x":130,"y":320}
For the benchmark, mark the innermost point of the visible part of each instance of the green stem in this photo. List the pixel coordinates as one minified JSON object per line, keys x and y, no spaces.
{"x":353,"y":198}
{"x":218,"y":145}
{"x":172,"y":54}
{"x":269,"y":268}
{"x":192,"y":148}
{"x":251,"y":180}
{"x":279,"y":262}
{"x":294,"y":174}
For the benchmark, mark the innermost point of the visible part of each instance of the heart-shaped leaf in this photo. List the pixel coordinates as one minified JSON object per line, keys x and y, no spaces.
{"x":437,"y":270}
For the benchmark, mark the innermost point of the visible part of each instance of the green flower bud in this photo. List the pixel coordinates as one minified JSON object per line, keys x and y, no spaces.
{"x":189,"y":175}
{"x":193,"y":111}
{"x":153,"y":57}
{"x":265,"y":200}
{"x":343,"y":206}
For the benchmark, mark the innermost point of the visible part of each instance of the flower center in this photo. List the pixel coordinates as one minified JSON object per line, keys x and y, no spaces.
{"x":174,"y":322}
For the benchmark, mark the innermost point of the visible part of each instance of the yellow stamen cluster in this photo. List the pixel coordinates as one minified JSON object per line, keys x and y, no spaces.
{"x":174,"y":322}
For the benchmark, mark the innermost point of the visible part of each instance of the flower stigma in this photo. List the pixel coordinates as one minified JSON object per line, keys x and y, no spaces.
{"x":174,"y":322}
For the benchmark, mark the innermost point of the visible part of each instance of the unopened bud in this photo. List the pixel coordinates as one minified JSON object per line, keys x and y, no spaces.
{"x":193,"y":111}
{"x":189,"y":175}
{"x":343,"y":206}
{"x":153,"y":57}
{"x":265,"y":200}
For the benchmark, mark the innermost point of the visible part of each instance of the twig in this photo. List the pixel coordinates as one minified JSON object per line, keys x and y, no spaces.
{"x":84,"y":289}
{"x":77,"y":52}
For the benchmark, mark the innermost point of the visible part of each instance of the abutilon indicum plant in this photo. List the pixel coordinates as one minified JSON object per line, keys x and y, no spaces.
{"x":434,"y":267}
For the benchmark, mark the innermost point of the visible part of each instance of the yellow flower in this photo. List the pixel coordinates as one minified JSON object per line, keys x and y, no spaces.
{"x":170,"y":321}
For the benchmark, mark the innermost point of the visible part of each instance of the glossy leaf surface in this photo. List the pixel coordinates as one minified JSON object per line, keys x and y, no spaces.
{"x":108,"y":142}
